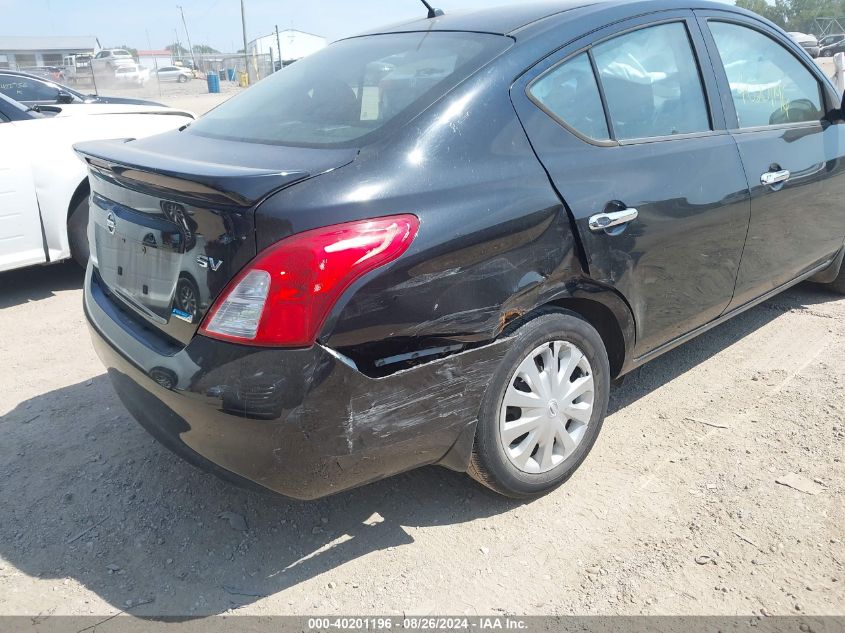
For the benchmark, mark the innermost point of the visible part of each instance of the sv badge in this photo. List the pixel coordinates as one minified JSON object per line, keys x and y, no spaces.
{"x":209,"y":262}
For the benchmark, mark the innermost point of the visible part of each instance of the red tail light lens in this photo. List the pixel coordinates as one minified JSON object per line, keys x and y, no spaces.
{"x":283,"y":296}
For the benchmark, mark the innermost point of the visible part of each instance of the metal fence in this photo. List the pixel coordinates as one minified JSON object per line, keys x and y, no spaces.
{"x":258,"y":66}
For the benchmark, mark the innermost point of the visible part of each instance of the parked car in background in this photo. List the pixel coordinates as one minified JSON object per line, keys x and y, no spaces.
{"x":832,"y":44}
{"x":440,"y":244}
{"x":43,"y":184}
{"x":174,"y":73}
{"x":53,"y":73}
{"x":32,"y":91}
{"x":808,"y":42}
{"x":833,"y":38}
{"x":134,"y":74}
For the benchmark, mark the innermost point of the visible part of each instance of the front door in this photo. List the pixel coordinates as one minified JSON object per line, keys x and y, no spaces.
{"x":21,"y":242}
{"x":623,"y":122}
{"x":793,"y":157}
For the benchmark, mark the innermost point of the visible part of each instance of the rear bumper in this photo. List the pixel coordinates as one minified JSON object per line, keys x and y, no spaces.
{"x":302,"y":423}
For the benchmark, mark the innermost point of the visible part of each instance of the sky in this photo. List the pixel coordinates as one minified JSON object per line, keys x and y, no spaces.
{"x":216,"y":23}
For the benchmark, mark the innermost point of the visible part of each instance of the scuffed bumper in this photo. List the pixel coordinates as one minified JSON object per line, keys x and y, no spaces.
{"x":302,"y":423}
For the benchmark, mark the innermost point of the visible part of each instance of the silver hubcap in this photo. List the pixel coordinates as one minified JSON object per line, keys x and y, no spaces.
{"x":547,"y":407}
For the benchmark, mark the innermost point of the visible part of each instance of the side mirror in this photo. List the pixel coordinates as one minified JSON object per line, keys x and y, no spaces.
{"x":64,"y":97}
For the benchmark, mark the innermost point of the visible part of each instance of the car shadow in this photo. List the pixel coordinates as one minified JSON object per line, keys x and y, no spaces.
{"x":683,"y":358}
{"x":38,"y":282}
{"x":88,"y":495}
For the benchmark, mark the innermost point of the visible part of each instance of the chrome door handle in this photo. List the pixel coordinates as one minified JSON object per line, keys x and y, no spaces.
{"x":771,"y":178}
{"x":604,"y":221}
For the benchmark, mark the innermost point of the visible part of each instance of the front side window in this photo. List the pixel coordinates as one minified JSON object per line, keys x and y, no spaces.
{"x":651,"y":83}
{"x":569,"y":92}
{"x":351,"y":89}
{"x":769,"y":85}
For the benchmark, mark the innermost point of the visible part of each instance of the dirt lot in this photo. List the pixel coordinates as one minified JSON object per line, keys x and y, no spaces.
{"x":676,"y":511}
{"x":192,"y":95}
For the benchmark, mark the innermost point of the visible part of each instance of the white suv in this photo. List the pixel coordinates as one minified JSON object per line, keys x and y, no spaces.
{"x":111,"y":59}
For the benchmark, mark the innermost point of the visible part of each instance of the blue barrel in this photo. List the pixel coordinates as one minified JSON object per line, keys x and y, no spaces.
{"x":231,"y":72}
{"x":213,"y":82}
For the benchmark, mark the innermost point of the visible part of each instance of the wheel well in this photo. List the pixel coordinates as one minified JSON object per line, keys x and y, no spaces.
{"x":602,"y":318}
{"x":82,"y":191}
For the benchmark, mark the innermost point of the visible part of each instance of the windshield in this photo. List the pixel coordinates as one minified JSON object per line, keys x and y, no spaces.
{"x":348,"y":92}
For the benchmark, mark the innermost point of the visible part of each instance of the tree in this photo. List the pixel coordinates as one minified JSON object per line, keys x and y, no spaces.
{"x":204,"y":49}
{"x":795,"y":15}
{"x":177,"y":50}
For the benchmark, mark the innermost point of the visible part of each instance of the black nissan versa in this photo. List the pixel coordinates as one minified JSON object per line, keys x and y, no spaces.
{"x":440,"y":243}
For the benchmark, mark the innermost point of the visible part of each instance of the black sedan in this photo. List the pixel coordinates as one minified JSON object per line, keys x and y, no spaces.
{"x":831,"y":49}
{"x":32,"y":90}
{"x":442,"y":243}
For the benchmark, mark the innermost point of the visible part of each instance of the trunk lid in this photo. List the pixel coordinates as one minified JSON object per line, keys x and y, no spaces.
{"x":169,"y":230}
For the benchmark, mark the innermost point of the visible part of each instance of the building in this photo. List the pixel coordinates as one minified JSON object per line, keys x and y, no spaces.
{"x":155,"y":59}
{"x":22,"y":51}
{"x":294,"y":45}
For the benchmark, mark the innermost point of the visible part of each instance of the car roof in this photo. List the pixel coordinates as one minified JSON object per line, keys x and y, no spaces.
{"x":20,"y":73}
{"x":507,"y":19}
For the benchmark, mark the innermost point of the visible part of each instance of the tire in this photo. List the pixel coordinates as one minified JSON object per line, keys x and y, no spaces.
{"x":182,"y":79}
{"x":187,"y":297}
{"x":77,"y":232}
{"x":827,"y":53}
{"x":531,"y":472}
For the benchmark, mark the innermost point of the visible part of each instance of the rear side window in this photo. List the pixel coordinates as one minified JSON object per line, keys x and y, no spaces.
{"x":349,"y":92}
{"x":769,"y":85}
{"x":651,"y":83}
{"x":569,"y":93}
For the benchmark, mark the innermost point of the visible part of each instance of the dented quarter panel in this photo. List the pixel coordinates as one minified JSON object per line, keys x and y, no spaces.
{"x":299,"y":422}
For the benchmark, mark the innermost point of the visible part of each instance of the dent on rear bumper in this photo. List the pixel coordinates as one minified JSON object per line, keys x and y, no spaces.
{"x":300,"y":422}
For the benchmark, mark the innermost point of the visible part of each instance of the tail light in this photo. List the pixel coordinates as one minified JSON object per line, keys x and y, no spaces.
{"x":283,"y":296}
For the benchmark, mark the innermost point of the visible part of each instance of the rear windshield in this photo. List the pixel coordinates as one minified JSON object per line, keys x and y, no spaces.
{"x":351,"y":91}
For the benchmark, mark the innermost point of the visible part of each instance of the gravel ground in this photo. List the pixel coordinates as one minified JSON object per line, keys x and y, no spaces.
{"x":678,"y":509}
{"x":192,"y":95}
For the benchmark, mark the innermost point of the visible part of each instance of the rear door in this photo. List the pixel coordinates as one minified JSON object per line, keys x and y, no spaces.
{"x":643,"y":161}
{"x":793,"y":156}
{"x":21,"y":241}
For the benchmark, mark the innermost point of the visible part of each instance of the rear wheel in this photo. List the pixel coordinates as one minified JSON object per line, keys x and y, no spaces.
{"x":77,"y":232}
{"x":827,"y":53}
{"x":544,"y":407}
{"x":187,"y":297}
{"x":182,"y":79}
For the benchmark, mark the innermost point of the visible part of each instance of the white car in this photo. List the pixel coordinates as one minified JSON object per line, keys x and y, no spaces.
{"x":109,"y":60}
{"x":132,"y":74}
{"x":44,"y":185}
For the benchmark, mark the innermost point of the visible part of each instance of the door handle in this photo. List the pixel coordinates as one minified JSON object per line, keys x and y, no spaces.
{"x":771,"y":178}
{"x":604,"y":221}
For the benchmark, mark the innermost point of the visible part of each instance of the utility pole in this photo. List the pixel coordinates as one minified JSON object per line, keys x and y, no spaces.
{"x":278,"y":49}
{"x":188,"y":35}
{"x":178,"y":51}
{"x":243,"y":24}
